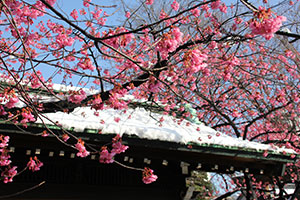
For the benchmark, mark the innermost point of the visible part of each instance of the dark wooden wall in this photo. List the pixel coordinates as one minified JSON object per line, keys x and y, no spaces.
{"x":69,"y":177}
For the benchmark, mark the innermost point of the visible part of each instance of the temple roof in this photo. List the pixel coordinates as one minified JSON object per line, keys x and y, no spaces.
{"x":145,"y":124}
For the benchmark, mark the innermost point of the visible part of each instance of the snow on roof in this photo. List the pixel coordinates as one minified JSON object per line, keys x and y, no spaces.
{"x":153,"y":126}
{"x":39,"y":95}
{"x":139,"y":122}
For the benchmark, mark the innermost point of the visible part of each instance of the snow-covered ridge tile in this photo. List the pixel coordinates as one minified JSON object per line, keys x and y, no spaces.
{"x":152,"y":126}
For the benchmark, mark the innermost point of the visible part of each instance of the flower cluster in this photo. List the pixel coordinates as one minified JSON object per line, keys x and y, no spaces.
{"x":36,"y":79}
{"x":86,"y":64}
{"x":117,"y":145}
{"x":81,"y":148}
{"x":4,"y":141}
{"x":106,"y":156}
{"x":27,"y":116}
{"x":154,"y":85}
{"x":97,"y":103}
{"x":77,"y":96}
{"x":65,"y":137}
{"x":175,"y":5}
{"x":9,"y":96}
{"x":34,"y":164}
{"x":149,"y":2}
{"x":264,"y":24}
{"x":4,"y":157}
{"x":195,"y":61}
{"x":169,"y":42}
{"x":12,"y":102}
{"x":2,"y":110}
{"x":148,"y":176}
{"x":121,"y":41}
{"x":74,"y":14}
{"x":215,"y":5}
{"x":115,"y":99}
{"x":64,"y":39}
{"x":117,"y":148}
{"x":8,"y":174}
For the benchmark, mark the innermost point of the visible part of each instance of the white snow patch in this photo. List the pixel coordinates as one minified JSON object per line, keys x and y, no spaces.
{"x":146,"y":125}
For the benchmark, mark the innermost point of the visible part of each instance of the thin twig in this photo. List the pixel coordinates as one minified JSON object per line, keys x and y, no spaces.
{"x":23,"y":191}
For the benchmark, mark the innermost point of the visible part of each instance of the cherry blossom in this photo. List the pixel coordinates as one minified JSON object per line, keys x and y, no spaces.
{"x":195,"y":61}
{"x":86,"y":64}
{"x":175,"y":5}
{"x":117,"y":145}
{"x":148,"y":176}
{"x":65,"y":137}
{"x":4,"y":141}
{"x":265,"y":24}
{"x":74,"y":14}
{"x":82,"y":152}
{"x":169,"y":42}
{"x":4,"y":157}
{"x":215,"y":4}
{"x":105,"y":156}
{"x":207,"y":55}
{"x":149,"y":2}
{"x":27,"y":116}
{"x":127,"y":14}
{"x":34,"y":164}
{"x":12,"y":102}
{"x":77,"y":96}
{"x":8,"y":174}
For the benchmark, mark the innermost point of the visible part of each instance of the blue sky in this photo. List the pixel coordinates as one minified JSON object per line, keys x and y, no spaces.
{"x":68,"y":5}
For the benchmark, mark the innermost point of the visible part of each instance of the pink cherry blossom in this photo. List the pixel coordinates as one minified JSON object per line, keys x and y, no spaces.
{"x":149,"y":2}
{"x":223,"y":8}
{"x":27,"y":116}
{"x":195,"y":61}
{"x":148,"y":176}
{"x":105,"y":156}
{"x":74,"y":14}
{"x":9,"y":174}
{"x":86,"y":64}
{"x":4,"y":157}
{"x":238,"y":82}
{"x":77,"y":96}
{"x":12,"y":102}
{"x":65,"y":137}
{"x":117,"y":119}
{"x":127,"y":14}
{"x":265,"y":153}
{"x":63,"y":40}
{"x":117,"y":145}
{"x":266,"y":25}
{"x":51,"y":2}
{"x":169,"y":42}
{"x":45,"y":134}
{"x":34,"y":164}
{"x":97,"y":103}
{"x":81,"y":148}
{"x":195,"y":12}
{"x":36,"y":79}
{"x":118,"y":148}
{"x":86,"y":3}
{"x":2,"y":111}
{"x":238,"y":20}
{"x":175,"y":5}
{"x":215,"y":4}
{"x":4,"y":141}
